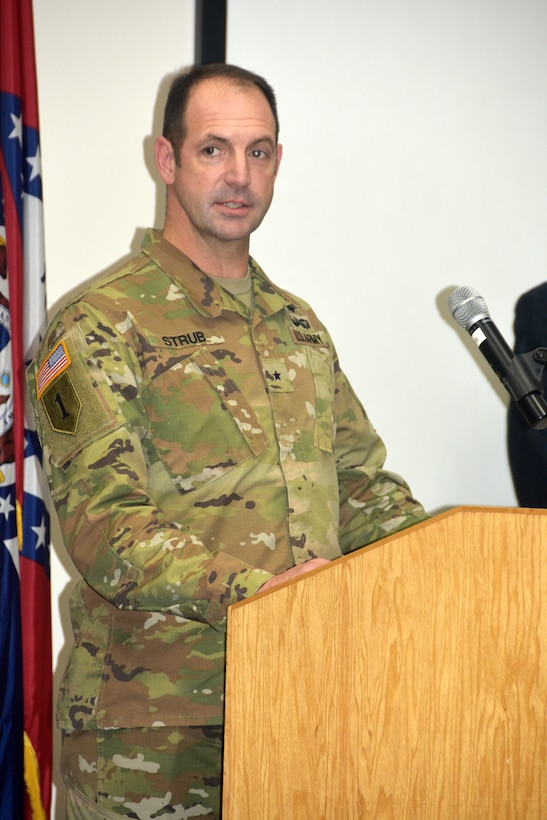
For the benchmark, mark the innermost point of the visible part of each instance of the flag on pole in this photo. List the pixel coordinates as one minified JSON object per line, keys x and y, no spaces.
{"x":25,"y":628}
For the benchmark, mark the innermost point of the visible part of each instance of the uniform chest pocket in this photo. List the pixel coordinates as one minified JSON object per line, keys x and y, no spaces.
{"x":201,"y":424}
{"x":301,"y":389}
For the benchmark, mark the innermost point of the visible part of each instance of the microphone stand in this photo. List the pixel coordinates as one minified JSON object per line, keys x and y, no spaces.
{"x":524,"y":384}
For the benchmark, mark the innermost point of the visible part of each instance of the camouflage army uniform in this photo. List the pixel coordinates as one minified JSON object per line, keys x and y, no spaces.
{"x":194,"y":450}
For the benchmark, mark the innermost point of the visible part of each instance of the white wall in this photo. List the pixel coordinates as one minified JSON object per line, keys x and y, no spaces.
{"x":414,"y":138}
{"x":415,"y":160}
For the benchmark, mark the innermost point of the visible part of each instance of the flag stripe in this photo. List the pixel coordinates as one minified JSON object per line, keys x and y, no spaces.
{"x":24,"y":518}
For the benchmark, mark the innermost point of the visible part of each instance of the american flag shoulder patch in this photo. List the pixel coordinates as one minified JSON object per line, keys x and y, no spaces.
{"x":57,"y":361}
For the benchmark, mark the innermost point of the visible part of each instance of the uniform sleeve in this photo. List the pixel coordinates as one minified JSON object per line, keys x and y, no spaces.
{"x":373,"y":502}
{"x":86,"y":391}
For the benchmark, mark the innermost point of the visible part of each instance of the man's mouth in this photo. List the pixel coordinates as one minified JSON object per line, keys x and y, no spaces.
{"x":234,"y":205}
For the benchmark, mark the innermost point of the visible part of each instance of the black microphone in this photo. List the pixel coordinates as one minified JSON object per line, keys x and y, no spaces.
{"x":519,"y":374}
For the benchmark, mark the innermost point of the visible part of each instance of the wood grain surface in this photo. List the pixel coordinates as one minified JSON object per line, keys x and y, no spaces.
{"x":407,"y":680}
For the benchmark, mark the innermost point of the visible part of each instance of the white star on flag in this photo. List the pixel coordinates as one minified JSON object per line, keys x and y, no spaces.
{"x":17,"y":132}
{"x":36,"y":164}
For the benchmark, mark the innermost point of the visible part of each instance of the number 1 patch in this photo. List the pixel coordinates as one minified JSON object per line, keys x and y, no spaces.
{"x":62,"y":405}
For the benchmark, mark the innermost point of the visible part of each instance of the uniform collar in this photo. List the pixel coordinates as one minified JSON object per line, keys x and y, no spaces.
{"x":202,"y":290}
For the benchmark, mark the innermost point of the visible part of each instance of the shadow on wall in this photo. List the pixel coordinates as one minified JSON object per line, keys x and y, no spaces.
{"x":159,"y":211}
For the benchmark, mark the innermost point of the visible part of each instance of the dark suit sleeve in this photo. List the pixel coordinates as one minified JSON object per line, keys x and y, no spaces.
{"x":527,"y":448}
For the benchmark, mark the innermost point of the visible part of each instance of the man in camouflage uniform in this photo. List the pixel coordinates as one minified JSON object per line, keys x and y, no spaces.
{"x":202,"y":444}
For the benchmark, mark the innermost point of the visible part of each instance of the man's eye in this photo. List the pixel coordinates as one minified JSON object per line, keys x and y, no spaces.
{"x":211,"y":151}
{"x":258,"y":153}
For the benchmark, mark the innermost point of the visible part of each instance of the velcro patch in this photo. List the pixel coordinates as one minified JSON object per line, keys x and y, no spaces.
{"x":277,"y":376}
{"x":307,"y":337}
{"x":55,"y":364}
{"x":62,"y":405}
{"x":76,"y":406}
{"x":185,"y":339}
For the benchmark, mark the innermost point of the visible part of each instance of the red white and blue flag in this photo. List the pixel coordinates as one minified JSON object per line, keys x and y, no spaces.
{"x":25,"y":625}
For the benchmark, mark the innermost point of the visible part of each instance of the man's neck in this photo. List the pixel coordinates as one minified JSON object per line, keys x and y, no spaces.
{"x":212,"y":256}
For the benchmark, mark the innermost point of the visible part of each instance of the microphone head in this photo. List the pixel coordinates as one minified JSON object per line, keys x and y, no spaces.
{"x":467,"y":306}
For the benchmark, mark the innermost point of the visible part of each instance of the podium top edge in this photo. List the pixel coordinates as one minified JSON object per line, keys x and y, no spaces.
{"x":462,"y":510}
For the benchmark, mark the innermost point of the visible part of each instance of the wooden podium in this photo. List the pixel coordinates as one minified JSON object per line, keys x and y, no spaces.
{"x":406,"y":680}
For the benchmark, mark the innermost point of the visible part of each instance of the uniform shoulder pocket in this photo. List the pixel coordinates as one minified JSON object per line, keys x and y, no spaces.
{"x":72,"y":401}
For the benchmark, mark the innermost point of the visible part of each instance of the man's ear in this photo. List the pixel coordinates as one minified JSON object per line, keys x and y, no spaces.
{"x":165,"y":159}
{"x":278,"y":155}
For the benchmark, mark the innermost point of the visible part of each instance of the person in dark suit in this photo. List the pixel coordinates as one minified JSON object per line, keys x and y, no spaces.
{"x":527,"y":448}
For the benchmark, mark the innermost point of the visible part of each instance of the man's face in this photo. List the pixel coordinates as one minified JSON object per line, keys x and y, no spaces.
{"x":224,"y":181}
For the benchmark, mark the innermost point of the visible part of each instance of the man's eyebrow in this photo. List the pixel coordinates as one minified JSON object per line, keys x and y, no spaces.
{"x":267,"y":139}
{"x":212,"y":137}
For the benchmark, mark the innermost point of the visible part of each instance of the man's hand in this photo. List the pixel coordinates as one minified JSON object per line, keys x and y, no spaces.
{"x":293,"y":572}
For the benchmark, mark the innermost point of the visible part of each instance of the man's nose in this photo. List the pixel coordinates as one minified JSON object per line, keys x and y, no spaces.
{"x":238,"y":171}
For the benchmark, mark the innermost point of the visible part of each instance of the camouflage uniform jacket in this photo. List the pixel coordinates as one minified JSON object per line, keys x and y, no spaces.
{"x":193,"y":451}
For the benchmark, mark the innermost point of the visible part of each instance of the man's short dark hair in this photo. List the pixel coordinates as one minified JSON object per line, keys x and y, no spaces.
{"x":174,"y":120}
